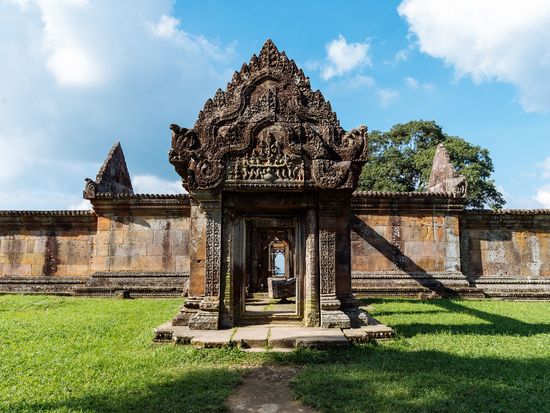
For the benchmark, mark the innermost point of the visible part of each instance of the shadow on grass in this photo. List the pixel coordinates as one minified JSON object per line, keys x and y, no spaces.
{"x":389,"y":379}
{"x":204,"y":390}
{"x":495,"y":324}
{"x":364,"y":378}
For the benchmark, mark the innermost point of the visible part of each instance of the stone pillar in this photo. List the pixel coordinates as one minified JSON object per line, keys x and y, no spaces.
{"x":201,"y":310}
{"x":311,"y":284}
{"x":197,"y":255}
{"x":207,"y":318}
{"x":334,"y":257}
{"x":452,"y":243}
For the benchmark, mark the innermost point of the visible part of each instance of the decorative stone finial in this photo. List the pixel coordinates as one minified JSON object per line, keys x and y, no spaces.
{"x":444,"y":177}
{"x":113,"y":176}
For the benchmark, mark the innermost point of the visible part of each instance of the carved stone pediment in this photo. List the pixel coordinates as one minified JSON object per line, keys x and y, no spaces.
{"x":113,"y":176}
{"x":444,"y":177}
{"x":268,"y":130}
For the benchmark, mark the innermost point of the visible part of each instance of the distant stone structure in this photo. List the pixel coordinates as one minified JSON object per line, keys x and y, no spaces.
{"x":267,"y":166}
{"x":443,"y":177}
{"x":113,"y":177}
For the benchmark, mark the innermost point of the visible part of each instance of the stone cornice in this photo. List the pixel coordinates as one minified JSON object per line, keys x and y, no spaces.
{"x":508,"y":212}
{"x":52,"y":220}
{"x":390,"y":194}
{"x":56,"y":213}
{"x":372,"y":201}
{"x":141,"y":203}
{"x":531,"y":219}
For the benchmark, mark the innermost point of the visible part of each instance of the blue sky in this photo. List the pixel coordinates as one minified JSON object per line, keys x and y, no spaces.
{"x":77,"y":75}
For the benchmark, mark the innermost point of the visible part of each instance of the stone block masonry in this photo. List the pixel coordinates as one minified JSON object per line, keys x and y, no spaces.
{"x":141,"y":237}
{"x":268,"y":157}
{"x":401,"y":245}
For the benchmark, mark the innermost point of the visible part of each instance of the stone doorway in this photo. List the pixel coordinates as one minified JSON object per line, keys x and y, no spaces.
{"x":268,"y":292}
{"x":269,"y":169}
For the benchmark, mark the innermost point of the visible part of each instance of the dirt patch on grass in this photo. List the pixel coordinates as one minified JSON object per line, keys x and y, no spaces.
{"x":266,"y":390}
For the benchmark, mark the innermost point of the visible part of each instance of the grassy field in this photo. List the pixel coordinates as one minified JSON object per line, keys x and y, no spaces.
{"x":451,"y":356}
{"x":96,"y":355}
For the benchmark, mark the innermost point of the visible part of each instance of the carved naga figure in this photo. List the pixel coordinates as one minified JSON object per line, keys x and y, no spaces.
{"x":269,"y":110}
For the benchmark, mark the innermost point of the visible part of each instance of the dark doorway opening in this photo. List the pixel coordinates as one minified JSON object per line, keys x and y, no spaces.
{"x":272,"y":270}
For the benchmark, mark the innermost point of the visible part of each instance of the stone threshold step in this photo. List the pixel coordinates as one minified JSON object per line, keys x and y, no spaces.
{"x":272,"y":337}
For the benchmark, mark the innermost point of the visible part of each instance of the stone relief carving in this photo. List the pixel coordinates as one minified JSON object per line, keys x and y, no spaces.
{"x":213,"y":247}
{"x":327,"y":261}
{"x":268,"y":129}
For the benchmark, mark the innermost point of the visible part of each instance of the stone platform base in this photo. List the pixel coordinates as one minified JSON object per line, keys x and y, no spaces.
{"x":269,"y":337}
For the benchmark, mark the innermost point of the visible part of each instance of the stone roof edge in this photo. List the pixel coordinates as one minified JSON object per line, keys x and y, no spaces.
{"x":109,"y":195}
{"x":389,"y":194}
{"x":47,"y":213}
{"x":540,"y":211}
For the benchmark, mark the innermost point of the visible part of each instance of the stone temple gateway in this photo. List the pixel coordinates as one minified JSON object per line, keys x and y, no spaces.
{"x":272,"y":230}
{"x":268,"y":158}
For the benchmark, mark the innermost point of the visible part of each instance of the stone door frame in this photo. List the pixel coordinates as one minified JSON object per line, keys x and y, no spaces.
{"x":242,"y":256}
{"x":291,"y":210}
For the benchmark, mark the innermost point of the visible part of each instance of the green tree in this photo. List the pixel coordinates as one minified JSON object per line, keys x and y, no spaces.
{"x":401,"y":160}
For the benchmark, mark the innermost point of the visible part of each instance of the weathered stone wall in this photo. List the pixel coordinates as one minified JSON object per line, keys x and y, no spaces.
{"x":406,"y":244}
{"x":41,"y":243}
{"x":128,"y":242}
{"x":401,"y":244}
{"x":141,"y":243}
{"x":411,"y":244}
{"x":507,"y":253}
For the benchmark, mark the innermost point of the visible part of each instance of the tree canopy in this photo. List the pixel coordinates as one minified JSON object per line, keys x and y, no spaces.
{"x":401,"y":160}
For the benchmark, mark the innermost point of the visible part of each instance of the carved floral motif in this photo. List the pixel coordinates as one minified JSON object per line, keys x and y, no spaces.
{"x":268,"y":127}
{"x":327,"y":261}
{"x":213,"y":248}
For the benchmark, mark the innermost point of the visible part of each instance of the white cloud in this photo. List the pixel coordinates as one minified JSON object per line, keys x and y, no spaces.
{"x":74,"y":67}
{"x":353,"y":83}
{"x":414,"y":84}
{"x":343,"y":57}
{"x":401,"y":56}
{"x":151,"y":184}
{"x":71,"y":56}
{"x":544,"y":167}
{"x":387,"y":96}
{"x":77,"y":75}
{"x":83,"y":204}
{"x":503,"y":40}
{"x":543,"y":196}
{"x":166,"y":27}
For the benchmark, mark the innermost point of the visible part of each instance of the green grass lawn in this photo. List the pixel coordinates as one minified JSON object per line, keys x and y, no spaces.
{"x":96,"y":355}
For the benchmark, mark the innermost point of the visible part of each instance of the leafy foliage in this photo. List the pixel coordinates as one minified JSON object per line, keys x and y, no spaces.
{"x":401,"y":160}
